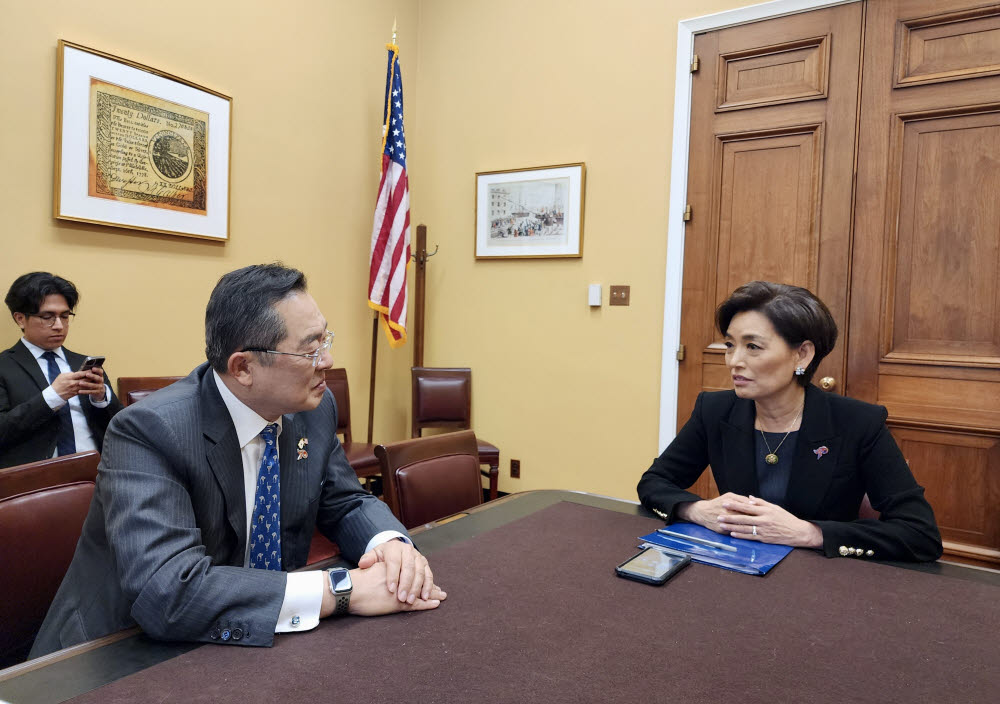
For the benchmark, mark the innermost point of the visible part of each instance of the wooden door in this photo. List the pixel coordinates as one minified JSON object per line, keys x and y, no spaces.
{"x":924,"y":334}
{"x":774,"y":108}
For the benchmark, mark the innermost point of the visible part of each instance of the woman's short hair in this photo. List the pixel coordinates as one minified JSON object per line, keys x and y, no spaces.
{"x":241,"y":314}
{"x":796,"y":314}
{"x":29,"y":290}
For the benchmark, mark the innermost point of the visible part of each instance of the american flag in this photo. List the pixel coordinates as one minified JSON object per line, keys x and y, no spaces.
{"x":390,"y":251}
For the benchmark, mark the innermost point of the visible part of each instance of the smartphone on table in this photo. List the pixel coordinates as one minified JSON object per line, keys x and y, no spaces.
{"x":652,"y":566}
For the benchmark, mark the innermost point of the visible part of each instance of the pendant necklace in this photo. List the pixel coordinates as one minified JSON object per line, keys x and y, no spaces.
{"x":772,"y":455}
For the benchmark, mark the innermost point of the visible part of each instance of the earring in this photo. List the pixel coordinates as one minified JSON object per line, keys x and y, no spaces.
{"x":799,"y":371}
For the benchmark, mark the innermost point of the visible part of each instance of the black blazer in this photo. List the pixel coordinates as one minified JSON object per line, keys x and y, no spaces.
{"x":825,"y":488}
{"x":28,"y":427}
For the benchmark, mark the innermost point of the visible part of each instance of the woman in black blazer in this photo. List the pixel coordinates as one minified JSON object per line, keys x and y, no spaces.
{"x":792,"y":462}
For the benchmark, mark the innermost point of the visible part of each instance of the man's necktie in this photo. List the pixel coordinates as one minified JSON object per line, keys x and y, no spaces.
{"x":265,"y":525}
{"x":65,"y":440}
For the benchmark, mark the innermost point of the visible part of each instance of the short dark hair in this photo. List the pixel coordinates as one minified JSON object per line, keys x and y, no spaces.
{"x":29,"y":290}
{"x":240,"y":312}
{"x":796,"y":314}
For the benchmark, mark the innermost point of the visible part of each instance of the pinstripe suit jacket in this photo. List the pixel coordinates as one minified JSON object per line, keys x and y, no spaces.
{"x":163,"y":543}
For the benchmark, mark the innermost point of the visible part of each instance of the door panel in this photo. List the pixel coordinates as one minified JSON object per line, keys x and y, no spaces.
{"x":926,"y":254}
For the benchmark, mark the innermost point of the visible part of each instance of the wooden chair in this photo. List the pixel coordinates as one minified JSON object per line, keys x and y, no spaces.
{"x":360,"y":455}
{"x":442,"y":398}
{"x":429,"y":478}
{"x":42,"y":509}
{"x":133,"y":388}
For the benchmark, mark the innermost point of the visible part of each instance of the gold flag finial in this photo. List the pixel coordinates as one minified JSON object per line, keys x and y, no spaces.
{"x":393,"y":30}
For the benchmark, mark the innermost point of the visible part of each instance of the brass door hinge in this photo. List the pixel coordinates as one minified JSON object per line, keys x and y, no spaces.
{"x":687,"y":213}
{"x":695,"y":64}
{"x":680,"y":353}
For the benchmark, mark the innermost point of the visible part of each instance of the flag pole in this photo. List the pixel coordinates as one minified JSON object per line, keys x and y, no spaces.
{"x":371,"y":381}
{"x":371,"y":374}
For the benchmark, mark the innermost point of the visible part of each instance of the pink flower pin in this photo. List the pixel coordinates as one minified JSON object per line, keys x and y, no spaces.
{"x":820,"y":451}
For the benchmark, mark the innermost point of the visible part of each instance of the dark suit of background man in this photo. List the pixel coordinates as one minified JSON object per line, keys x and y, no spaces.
{"x":173,"y":539}
{"x":47,"y":408}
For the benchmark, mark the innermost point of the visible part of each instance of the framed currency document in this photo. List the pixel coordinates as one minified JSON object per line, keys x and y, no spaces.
{"x":139,"y":148}
{"x":533,"y":212}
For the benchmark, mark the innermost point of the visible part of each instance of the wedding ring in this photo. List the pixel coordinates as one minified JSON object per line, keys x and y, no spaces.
{"x":755,"y":530}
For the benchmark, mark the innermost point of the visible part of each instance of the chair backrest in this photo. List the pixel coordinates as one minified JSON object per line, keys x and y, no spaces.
{"x":425,"y":479}
{"x":441,"y":398}
{"x":42,"y":508}
{"x":336,"y":381}
{"x":133,"y":388}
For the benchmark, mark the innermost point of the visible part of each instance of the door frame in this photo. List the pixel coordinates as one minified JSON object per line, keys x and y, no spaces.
{"x":674,"y":279}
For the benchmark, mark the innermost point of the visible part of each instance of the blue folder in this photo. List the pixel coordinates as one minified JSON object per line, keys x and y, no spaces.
{"x":750,"y":557}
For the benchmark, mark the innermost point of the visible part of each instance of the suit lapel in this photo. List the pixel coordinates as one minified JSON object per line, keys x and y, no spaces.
{"x":224,"y":458}
{"x":294,"y":484}
{"x":740,"y":471}
{"x":22,"y":355}
{"x":817,"y":454}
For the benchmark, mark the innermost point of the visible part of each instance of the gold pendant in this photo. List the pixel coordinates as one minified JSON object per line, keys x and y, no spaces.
{"x":771,"y":458}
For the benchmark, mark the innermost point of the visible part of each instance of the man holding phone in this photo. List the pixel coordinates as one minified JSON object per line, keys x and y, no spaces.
{"x":52,"y":401}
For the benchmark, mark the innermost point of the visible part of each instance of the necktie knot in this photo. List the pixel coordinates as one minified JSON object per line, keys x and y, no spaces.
{"x":49,"y":356}
{"x":270,"y":433}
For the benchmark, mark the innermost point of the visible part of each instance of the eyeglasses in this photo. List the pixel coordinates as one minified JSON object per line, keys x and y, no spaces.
{"x":50,"y":318}
{"x":314,"y":356}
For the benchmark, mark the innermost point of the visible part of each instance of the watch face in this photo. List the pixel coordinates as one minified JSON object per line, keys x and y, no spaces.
{"x":340,"y":580}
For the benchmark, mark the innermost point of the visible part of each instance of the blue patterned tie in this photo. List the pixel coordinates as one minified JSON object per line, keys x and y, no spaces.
{"x":265,"y":526}
{"x":65,"y":440}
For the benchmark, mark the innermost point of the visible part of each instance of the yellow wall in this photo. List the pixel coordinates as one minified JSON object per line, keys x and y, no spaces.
{"x":306,"y":79}
{"x":571,"y":392}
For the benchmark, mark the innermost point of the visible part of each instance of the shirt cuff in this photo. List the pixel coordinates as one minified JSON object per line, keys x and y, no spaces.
{"x":105,"y":402}
{"x":384,"y":537}
{"x":54,"y":400}
{"x":303,"y":601}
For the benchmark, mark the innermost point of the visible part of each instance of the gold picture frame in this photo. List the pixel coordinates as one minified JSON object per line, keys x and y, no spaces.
{"x":138,"y":148}
{"x":532,"y":213}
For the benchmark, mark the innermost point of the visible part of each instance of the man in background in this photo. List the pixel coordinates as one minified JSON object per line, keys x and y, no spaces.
{"x":209,"y":492}
{"x":48,"y":406}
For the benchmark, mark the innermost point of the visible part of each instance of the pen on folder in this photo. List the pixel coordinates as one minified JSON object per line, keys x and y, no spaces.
{"x":698,"y":541}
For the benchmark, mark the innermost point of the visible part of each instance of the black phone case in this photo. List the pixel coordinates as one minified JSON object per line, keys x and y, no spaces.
{"x":685,"y":561}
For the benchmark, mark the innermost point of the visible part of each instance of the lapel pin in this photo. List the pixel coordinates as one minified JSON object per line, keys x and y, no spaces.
{"x":303,"y":454}
{"x":820,"y":451}
{"x":303,"y":442}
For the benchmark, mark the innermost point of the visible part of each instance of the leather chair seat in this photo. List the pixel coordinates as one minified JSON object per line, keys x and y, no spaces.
{"x":42,"y":509}
{"x":429,"y":478}
{"x":361,"y":457}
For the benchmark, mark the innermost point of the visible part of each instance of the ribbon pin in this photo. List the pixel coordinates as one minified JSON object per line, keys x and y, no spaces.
{"x":820,"y":451}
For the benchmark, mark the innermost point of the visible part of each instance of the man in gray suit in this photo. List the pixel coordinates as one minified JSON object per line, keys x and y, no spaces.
{"x":192,"y":535}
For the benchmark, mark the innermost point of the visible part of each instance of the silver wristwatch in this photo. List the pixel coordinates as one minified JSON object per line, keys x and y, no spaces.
{"x":341,"y":588}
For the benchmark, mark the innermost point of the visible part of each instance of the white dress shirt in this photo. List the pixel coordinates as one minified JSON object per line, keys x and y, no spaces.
{"x":303,"y":600}
{"x":81,"y":431}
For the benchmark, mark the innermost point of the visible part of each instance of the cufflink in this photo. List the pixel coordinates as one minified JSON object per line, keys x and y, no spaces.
{"x":296,"y":621}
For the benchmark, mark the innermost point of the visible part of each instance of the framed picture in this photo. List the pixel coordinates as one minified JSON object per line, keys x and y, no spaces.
{"x":536,"y":212}
{"x":139,"y":148}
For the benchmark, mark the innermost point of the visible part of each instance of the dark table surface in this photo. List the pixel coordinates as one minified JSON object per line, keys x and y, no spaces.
{"x":535,"y":613}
